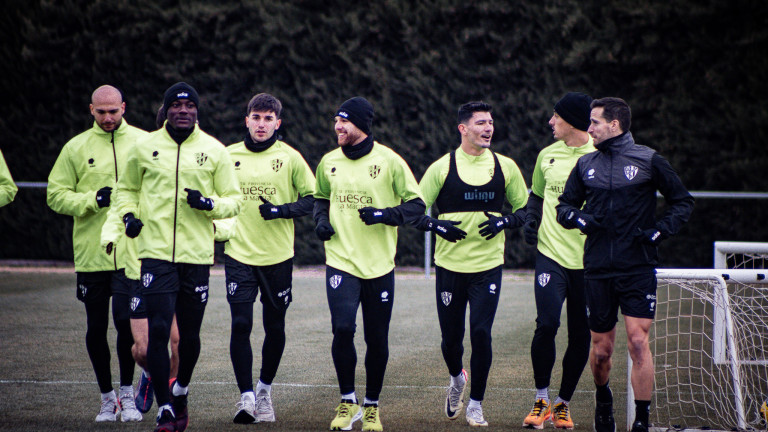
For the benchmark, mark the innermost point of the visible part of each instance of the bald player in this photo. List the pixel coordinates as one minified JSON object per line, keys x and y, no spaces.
{"x":80,"y":185}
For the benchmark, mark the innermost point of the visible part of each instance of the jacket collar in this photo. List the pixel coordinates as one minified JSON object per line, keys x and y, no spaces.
{"x":119,"y":131}
{"x":616,"y":144}
{"x":180,"y":137}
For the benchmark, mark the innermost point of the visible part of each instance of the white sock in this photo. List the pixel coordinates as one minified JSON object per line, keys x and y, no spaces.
{"x":560,"y":400}
{"x":248,"y":395}
{"x":349,"y":396}
{"x":179,"y":390}
{"x":261,"y":386}
{"x":109,"y":395}
{"x":474,"y":404}
{"x":542,"y":394}
{"x":126,"y":389}
{"x":458,"y":380}
{"x":367,"y":401}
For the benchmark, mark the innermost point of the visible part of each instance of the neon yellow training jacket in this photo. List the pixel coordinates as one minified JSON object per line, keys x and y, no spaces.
{"x":158,"y":171}
{"x":88,"y":162}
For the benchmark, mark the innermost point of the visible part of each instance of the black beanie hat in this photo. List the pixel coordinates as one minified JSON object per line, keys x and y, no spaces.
{"x":359,"y":111}
{"x":574,"y":108}
{"x":180,"y":90}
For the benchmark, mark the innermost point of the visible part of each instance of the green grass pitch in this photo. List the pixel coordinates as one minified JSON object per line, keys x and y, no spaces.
{"x":47,"y":384}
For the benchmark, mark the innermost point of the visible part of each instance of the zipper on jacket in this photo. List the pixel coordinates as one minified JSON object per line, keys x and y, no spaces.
{"x":176,"y":203}
{"x":114,"y":156}
{"x":610,"y":208}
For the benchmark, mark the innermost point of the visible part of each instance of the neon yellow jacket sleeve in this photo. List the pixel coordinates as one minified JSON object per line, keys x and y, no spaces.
{"x":8,"y":188}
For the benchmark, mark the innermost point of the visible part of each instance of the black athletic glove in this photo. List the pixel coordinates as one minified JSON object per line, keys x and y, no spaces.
{"x":371,"y":215}
{"x":196,"y":200}
{"x":446,"y":229}
{"x":496,"y":224}
{"x":650,"y":236}
{"x":585,"y":222}
{"x":324,"y":230}
{"x":103,"y":195}
{"x":270,"y":211}
{"x":132,"y":225}
{"x":531,"y":231}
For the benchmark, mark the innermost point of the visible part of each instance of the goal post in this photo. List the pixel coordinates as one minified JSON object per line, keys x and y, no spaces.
{"x":741,"y":255}
{"x":709,"y":343}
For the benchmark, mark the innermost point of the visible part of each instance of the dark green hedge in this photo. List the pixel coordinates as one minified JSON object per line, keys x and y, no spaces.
{"x":692,"y":70}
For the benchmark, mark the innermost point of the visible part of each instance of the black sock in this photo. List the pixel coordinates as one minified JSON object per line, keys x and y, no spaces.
{"x":603,"y":393}
{"x":642,"y":408}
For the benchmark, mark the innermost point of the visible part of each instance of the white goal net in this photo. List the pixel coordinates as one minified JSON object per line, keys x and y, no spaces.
{"x":710,"y":343}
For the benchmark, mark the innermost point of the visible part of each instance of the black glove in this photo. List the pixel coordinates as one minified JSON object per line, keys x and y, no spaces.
{"x":196,"y":200}
{"x":496,"y":224}
{"x":103,"y":195}
{"x":270,"y":211}
{"x":531,"y":231}
{"x":371,"y":215}
{"x":650,"y":236}
{"x":446,"y":229}
{"x":324,"y":230}
{"x":585,"y":222}
{"x":132,"y":225}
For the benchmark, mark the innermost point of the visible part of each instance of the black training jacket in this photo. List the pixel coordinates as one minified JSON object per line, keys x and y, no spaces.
{"x":618,"y":183}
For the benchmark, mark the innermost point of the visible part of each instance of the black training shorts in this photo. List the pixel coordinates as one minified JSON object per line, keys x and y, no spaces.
{"x":635,"y":294}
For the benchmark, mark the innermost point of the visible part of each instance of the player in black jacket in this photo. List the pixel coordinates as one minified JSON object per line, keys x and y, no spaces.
{"x":617,"y":186}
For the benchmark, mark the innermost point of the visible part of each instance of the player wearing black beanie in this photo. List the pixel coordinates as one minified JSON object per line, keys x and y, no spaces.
{"x":373,"y":191}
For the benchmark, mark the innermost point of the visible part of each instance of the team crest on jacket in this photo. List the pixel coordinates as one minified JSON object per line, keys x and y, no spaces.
{"x":446,"y":297}
{"x":374,"y":171}
{"x":544,"y":279}
{"x":201,"y":158}
{"x":146,"y":279}
{"x":231,"y":288}
{"x":276,"y":165}
{"x":335,"y":281}
{"x":630,"y":172}
{"x":135,"y":303}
